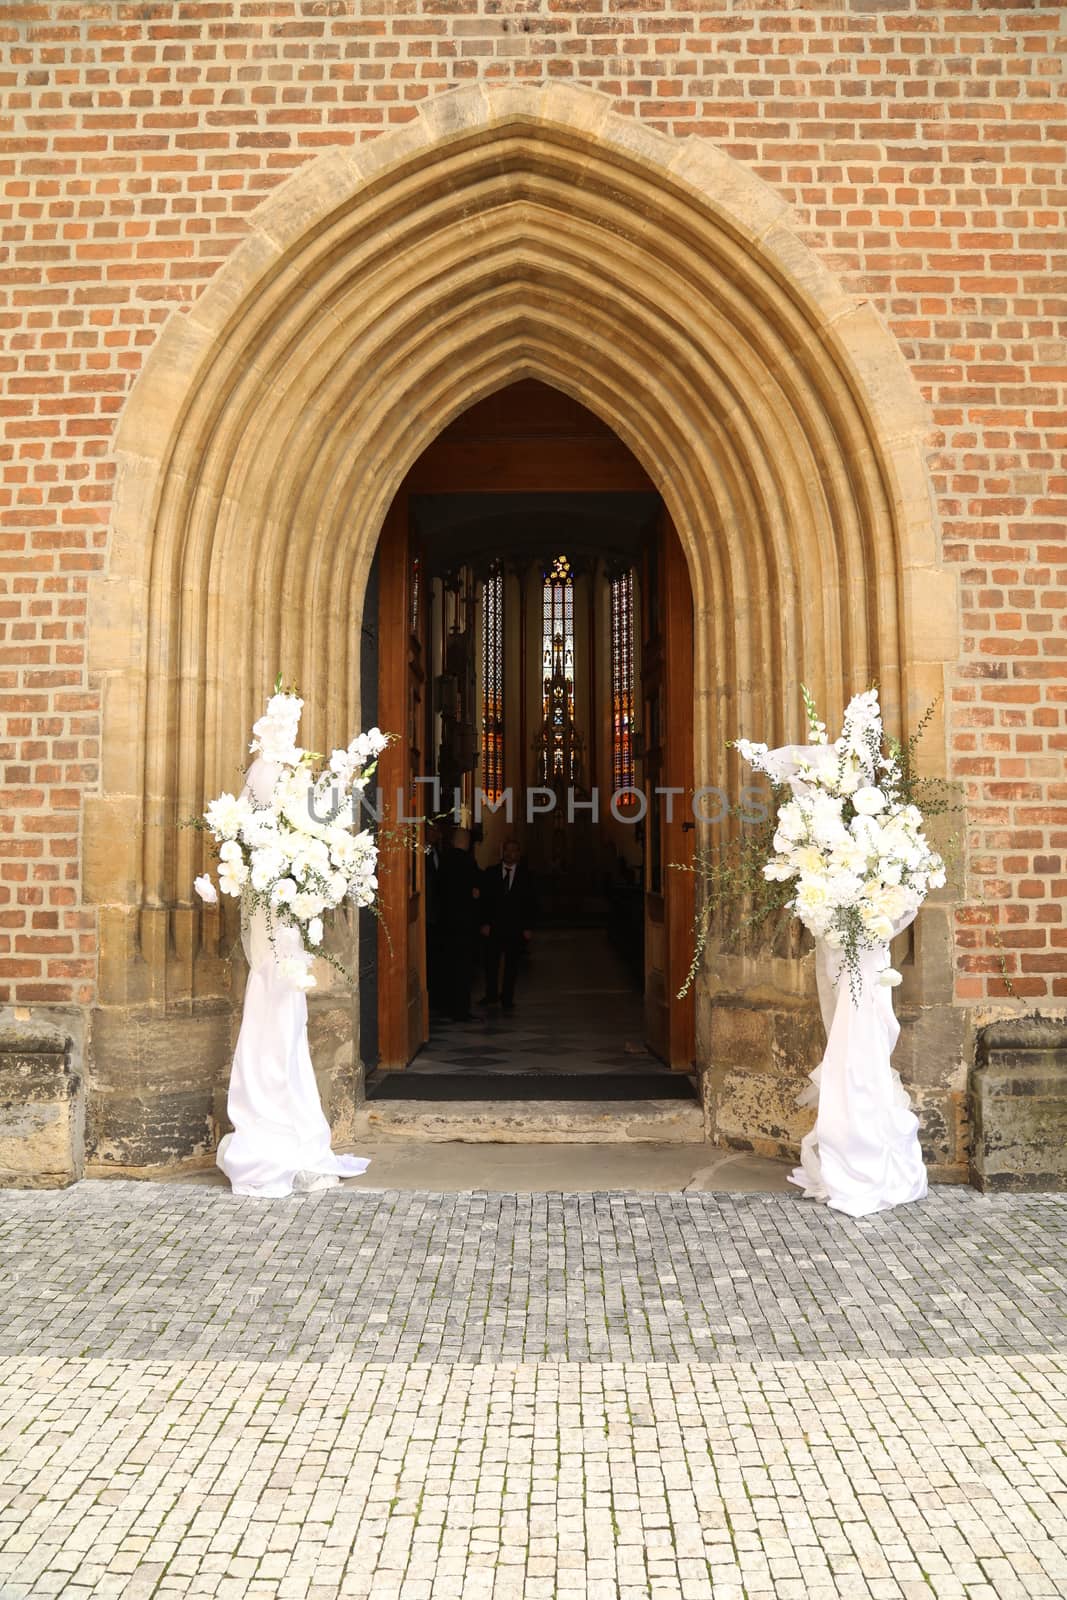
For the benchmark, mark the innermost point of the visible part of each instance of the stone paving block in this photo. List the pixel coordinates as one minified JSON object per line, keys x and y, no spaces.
{"x":413,"y":1396}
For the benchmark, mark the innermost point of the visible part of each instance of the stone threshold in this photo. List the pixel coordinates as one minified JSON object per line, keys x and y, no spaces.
{"x":534,"y":1122}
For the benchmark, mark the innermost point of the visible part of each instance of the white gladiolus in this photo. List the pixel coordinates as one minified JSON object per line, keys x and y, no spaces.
{"x":792,"y":823}
{"x":233,"y":875}
{"x":750,"y":752}
{"x":206,"y":889}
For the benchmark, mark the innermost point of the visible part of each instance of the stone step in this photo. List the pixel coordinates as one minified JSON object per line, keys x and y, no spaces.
{"x":534,"y":1122}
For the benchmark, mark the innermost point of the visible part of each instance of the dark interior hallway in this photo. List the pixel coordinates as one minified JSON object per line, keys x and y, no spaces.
{"x":578,"y":1016}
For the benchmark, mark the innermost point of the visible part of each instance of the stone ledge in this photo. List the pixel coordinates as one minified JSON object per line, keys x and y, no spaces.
{"x":1019,"y":1105}
{"x":543,"y":1122}
{"x":42,"y":1109}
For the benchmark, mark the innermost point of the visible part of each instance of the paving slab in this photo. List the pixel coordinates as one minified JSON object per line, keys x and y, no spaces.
{"x":645,"y":1167}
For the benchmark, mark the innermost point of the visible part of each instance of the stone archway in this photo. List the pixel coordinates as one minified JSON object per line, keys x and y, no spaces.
{"x":381,"y":291}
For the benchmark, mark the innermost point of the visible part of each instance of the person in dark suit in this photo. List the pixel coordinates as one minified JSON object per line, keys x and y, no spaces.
{"x":457,"y":891}
{"x":436,"y":934}
{"x":507,"y":917}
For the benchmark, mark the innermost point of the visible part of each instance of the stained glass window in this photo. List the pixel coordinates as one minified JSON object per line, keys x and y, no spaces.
{"x":622,"y":680}
{"x":558,"y":668}
{"x":493,"y":686}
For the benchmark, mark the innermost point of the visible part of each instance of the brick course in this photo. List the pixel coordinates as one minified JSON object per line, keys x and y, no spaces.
{"x":920,"y":143}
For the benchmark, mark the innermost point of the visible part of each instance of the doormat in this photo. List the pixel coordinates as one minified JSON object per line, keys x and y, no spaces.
{"x":438,"y":1086}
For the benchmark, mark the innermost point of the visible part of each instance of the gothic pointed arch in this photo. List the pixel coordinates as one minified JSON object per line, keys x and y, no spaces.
{"x":503,"y":233}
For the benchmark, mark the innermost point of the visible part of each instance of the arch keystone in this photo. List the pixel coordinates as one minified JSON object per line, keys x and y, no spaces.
{"x":446,"y":116}
{"x":587,"y":111}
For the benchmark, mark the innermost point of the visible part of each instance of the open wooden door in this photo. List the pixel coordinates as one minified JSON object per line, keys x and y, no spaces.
{"x":403,"y":1012}
{"x":667,"y":689}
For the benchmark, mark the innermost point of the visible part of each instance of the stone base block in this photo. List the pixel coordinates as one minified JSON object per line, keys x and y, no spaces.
{"x":153,"y":1087}
{"x":42,"y":1110}
{"x":1019,"y":1105}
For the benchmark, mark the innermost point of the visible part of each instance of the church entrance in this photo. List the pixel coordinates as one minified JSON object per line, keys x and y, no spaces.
{"x":528,"y":634}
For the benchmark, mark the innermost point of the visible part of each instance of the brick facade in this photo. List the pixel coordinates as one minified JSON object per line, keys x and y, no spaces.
{"x":920,"y":143}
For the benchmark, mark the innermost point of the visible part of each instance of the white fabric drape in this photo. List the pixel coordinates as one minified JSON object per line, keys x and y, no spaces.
{"x":863,"y":1154}
{"x":281,"y":1139}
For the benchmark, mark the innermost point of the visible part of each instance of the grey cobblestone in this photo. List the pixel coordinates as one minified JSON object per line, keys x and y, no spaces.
{"x":163,"y":1271}
{"x":363,"y":1396}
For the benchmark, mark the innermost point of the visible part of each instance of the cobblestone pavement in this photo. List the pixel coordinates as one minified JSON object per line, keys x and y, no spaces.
{"x":604,"y":1397}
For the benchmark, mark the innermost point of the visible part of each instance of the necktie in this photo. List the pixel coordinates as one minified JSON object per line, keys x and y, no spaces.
{"x":507,"y":879}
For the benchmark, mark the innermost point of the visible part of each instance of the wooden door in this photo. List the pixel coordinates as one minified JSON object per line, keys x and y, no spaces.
{"x":403,"y":1012}
{"x":667,"y":692}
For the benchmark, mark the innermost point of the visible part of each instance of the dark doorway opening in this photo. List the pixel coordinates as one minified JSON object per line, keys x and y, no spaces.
{"x":521,"y":589}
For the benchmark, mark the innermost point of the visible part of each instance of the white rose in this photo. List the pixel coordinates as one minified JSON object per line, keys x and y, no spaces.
{"x":828,"y":832}
{"x":868,"y":802}
{"x":813,"y":904}
{"x":877,"y":924}
{"x":261,"y":828}
{"x":298,"y":972}
{"x":792,"y":824}
{"x":844,"y":888}
{"x":867,"y":833}
{"x":314,"y":931}
{"x":889,"y":977}
{"x":848,"y":856}
{"x":305,"y":906}
{"x":231,"y":851}
{"x":888,"y":901}
{"x":266,"y":865}
{"x":283,"y":892}
{"x":206,"y":889}
{"x":226,"y":815}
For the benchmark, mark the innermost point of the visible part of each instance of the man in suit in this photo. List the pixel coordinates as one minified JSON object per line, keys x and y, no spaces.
{"x":507,"y":918}
{"x":457,"y":895}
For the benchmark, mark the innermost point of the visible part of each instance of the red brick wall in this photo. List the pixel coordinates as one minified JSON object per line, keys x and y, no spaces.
{"x":920,"y":140}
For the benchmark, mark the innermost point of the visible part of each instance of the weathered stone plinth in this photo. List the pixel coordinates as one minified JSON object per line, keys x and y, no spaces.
{"x":42,"y":1109}
{"x":1019,"y":1105}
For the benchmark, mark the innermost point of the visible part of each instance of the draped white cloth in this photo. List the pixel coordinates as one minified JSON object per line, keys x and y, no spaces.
{"x":281,"y":1139}
{"x":863,"y":1153}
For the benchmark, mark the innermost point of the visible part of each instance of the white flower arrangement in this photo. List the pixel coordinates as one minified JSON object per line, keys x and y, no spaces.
{"x":848,"y":842}
{"x":299,"y":855}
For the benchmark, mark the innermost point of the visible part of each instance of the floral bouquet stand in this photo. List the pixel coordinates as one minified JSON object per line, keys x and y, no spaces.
{"x":849,"y":845}
{"x":288,"y":869}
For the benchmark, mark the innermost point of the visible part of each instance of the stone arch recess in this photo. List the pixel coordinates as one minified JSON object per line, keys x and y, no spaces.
{"x":380,"y":291}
